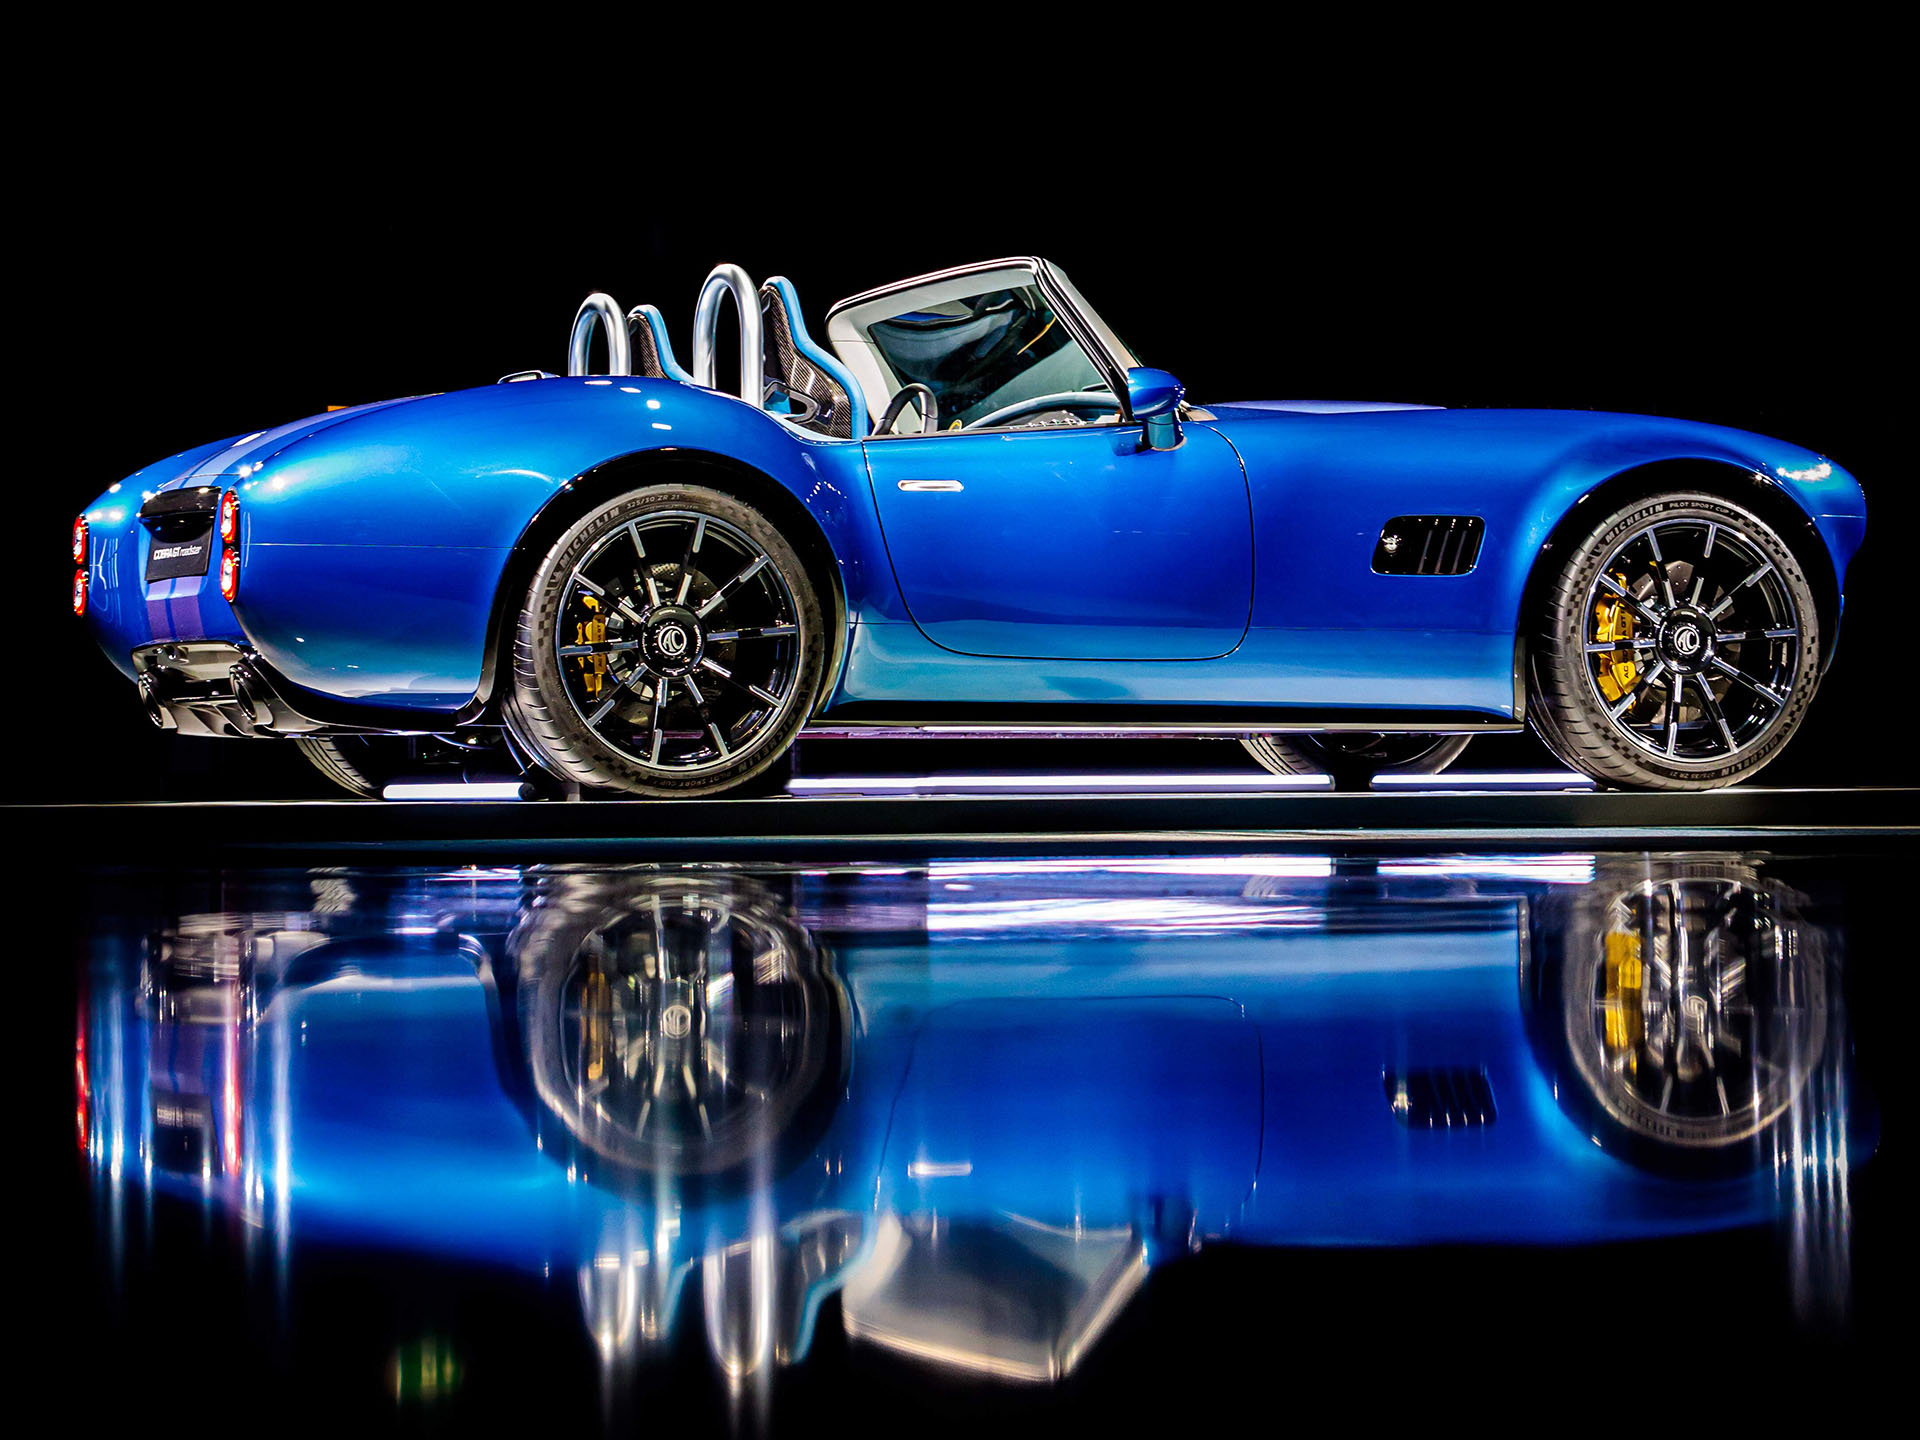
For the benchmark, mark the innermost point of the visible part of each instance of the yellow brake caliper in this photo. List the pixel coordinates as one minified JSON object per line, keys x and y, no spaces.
{"x":1626,"y":1019}
{"x":1613,"y":624}
{"x":596,"y":1028}
{"x":593,"y":668}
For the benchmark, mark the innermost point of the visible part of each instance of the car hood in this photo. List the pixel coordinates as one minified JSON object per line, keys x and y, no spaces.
{"x":1319,"y":407}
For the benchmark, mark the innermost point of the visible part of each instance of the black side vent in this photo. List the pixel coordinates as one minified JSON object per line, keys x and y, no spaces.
{"x":1454,"y":1099}
{"x":1428,"y":545}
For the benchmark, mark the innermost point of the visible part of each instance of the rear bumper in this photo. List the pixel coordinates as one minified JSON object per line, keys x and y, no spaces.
{"x":220,"y":689}
{"x":126,"y":613}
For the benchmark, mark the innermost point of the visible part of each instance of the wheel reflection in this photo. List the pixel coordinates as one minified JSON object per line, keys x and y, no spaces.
{"x":675,"y":1026}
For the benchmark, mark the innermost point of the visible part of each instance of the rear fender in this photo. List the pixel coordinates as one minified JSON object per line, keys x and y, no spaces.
{"x":376,"y":550}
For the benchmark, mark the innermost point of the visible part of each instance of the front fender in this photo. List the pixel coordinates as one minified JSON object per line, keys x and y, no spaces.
{"x":1826,"y":494}
{"x":1325,"y":485}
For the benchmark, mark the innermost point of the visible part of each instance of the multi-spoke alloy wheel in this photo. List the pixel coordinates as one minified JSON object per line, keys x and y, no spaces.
{"x":1680,"y":647}
{"x":671,"y":644}
{"x":673,"y":1026}
{"x":1682,"y":1015}
{"x":1696,"y":1018}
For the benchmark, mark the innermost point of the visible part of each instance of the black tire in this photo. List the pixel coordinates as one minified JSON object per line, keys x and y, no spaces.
{"x":1353,"y":760}
{"x":1737,"y":730}
{"x":364,"y":765}
{"x":545,"y":708}
{"x":326,"y":756}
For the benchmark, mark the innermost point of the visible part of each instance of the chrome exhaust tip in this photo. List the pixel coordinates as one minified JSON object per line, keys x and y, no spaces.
{"x":161,"y":717}
{"x":252,"y":710}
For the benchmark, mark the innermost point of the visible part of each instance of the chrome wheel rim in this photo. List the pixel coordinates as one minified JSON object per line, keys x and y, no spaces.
{"x":1692,"y":641}
{"x":683,"y":1030}
{"x":678,"y":640}
{"x":1699,"y":1017}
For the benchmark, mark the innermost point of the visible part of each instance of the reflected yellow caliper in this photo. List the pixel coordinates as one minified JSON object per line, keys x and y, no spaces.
{"x":1619,"y":670}
{"x":596,"y":1029}
{"x":1625,"y":1017}
{"x":593,"y":668}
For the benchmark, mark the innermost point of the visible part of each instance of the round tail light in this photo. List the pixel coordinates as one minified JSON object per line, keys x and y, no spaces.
{"x":79,"y":592}
{"x":80,"y":541}
{"x":229,"y":517}
{"x":229,"y":573}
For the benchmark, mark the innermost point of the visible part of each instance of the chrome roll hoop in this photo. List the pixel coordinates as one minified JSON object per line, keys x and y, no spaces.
{"x":729,"y":280}
{"x":601,"y":309}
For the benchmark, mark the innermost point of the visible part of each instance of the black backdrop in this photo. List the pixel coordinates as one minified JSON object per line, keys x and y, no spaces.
{"x":1726,"y":262}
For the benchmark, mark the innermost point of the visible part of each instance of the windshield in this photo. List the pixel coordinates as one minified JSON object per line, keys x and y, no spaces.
{"x":981,"y":353}
{"x":1102,"y":331}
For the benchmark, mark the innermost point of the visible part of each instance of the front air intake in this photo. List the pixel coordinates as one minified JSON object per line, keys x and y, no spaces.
{"x":1428,"y":545}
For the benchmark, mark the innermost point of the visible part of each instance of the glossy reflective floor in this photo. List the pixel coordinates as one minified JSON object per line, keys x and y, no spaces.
{"x":939,"y":1144}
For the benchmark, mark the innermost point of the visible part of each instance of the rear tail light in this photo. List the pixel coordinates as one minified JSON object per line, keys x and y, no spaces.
{"x":229,"y":574}
{"x":79,"y":592}
{"x":229,"y":518}
{"x":80,"y":541}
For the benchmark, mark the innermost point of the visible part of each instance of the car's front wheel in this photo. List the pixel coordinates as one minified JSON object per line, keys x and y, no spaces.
{"x":1678,"y":648}
{"x":671,"y":643}
{"x":1353,"y":760}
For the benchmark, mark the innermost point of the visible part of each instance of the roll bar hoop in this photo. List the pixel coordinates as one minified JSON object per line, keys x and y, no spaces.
{"x":729,"y":280}
{"x":601,"y":309}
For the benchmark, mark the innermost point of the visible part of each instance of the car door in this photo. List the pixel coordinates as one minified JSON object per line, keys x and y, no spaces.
{"x":1068,"y":542}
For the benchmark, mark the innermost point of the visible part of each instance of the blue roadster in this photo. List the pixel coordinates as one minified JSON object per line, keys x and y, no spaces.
{"x":972,"y":511}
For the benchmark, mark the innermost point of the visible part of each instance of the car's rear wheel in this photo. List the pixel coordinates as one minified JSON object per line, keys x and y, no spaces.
{"x":1354,"y":760}
{"x":365,"y":765}
{"x":671,"y":643}
{"x":1678,"y":648}
{"x":677,"y":1027}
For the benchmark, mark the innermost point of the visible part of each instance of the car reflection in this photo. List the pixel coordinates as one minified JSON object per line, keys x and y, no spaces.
{"x":978,"y":1101}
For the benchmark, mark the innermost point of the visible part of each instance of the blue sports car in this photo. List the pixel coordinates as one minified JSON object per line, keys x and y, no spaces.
{"x":972,"y":511}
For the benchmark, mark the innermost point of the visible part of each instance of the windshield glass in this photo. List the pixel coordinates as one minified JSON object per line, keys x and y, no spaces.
{"x":981,"y":353}
{"x":1103,"y":332}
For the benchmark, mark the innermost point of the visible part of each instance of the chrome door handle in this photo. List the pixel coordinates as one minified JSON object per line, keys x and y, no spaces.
{"x":923,"y":486}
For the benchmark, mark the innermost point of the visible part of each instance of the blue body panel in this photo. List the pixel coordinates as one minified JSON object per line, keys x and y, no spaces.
{"x":1069,"y":544}
{"x":1071,"y":567}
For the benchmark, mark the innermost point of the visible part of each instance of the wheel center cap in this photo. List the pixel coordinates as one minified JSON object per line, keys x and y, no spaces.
{"x":672,"y":641}
{"x":1686,"y":641}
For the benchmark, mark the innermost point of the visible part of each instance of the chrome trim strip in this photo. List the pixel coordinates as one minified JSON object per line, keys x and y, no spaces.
{"x":1010,"y":262}
{"x":1121,"y":730}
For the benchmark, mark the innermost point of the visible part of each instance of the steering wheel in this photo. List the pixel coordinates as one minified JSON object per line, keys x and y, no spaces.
{"x":1063,"y":400}
{"x":929,"y":409}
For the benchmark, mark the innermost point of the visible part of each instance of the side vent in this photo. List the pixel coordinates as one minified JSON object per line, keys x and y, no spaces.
{"x":1428,"y":545}
{"x":1454,"y":1099}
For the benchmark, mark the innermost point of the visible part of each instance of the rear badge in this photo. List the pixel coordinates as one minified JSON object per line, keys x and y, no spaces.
{"x":171,"y":558}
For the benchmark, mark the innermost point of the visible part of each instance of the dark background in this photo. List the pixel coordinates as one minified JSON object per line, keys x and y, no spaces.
{"x":219,"y":248}
{"x":1717,"y":251}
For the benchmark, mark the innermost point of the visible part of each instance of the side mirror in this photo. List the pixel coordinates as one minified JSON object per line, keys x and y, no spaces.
{"x":1153,"y":397}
